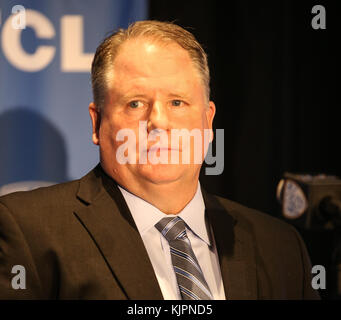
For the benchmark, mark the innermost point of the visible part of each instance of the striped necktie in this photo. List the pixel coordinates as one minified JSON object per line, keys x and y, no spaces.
{"x":190,"y":278}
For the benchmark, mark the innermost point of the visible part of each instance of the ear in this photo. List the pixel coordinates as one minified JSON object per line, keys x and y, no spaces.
{"x":95,"y":116}
{"x":210,"y":113}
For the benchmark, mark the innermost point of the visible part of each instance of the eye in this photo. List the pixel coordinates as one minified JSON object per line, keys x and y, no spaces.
{"x":176,"y":103}
{"x":135,"y":104}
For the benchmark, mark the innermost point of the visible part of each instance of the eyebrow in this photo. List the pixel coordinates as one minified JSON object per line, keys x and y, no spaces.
{"x":131,"y":96}
{"x":178,"y":95}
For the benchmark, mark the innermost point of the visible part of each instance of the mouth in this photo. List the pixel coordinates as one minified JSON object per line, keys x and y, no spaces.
{"x":155,"y":149}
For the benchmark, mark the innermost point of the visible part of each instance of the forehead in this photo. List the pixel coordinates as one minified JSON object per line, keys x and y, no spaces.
{"x":146,"y":62}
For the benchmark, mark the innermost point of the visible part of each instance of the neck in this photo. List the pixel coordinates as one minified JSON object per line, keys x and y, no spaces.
{"x":170,"y":197}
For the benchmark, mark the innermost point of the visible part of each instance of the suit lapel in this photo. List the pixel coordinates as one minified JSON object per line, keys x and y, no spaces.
{"x":108,"y":221}
{"x":235,"y":246}
{"x":110,"y":224}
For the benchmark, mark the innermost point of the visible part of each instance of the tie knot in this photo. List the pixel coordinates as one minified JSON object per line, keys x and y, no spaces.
{"x":172,"y":228}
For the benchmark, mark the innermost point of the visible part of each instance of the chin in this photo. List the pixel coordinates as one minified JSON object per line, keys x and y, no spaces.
{"x":161,"y":173}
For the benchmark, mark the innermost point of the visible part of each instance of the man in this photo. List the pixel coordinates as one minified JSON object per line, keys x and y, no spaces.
{"x":136,"y":228}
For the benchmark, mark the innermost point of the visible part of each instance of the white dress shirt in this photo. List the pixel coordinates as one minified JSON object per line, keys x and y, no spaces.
{"x":146,"y":216}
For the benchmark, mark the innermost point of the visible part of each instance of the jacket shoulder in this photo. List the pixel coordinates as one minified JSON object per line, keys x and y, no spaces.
{"x":239,"y":210}
{"x":62,"y":194}
{"x":259,"y":221}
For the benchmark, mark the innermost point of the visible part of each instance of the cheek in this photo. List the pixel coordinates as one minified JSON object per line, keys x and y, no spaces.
{"x":205,"y":123}
{"x":199,"y":121}
{"x":115,"y":133}
{"x":108,"y":132}
{"x":190,"y":120}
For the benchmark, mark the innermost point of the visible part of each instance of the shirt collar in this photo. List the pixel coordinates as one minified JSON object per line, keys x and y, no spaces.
{"x":146,"y":215}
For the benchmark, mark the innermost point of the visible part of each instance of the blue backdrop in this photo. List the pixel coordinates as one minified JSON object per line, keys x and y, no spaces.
{"x":45,"y":89}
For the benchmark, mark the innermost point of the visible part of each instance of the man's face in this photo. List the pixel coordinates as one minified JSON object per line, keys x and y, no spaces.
{"x":156,"y":83}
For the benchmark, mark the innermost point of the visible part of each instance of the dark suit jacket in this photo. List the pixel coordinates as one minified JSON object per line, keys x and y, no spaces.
{"x":78,"y":241}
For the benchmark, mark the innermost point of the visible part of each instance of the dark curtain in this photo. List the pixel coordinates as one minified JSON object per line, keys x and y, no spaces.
{"x":274,"y":80}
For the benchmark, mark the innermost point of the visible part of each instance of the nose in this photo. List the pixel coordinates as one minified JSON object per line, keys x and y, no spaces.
{"x":158,"y":117}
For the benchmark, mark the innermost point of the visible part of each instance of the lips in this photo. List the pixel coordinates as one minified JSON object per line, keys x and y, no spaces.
{"x":154,"y":149}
